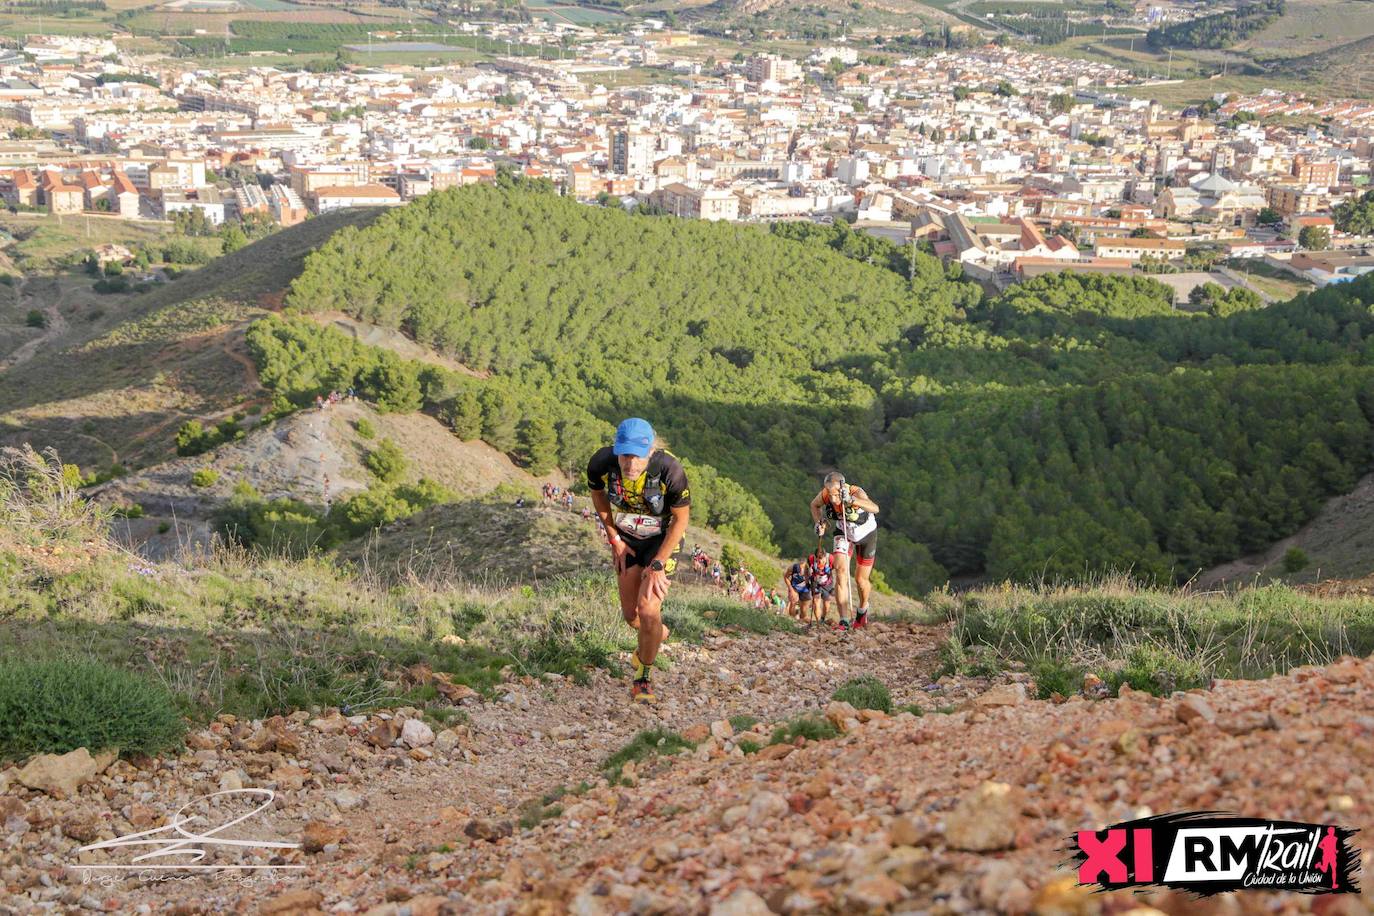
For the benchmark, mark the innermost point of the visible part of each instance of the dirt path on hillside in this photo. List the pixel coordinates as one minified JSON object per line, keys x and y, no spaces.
{"x":227,"y":344}
{"x":536,"y":737}
{"x":55,"y":325}
{"x":229,"y":340}
{"x":394,"y":819}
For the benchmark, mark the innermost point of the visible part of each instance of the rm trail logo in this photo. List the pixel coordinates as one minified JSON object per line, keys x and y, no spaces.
{"x":1210,"y":852}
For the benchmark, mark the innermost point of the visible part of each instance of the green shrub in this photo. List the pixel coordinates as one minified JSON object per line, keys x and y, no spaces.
{"x":112,"y":285}
{"x":812,"y":728}
{"x":127,"y":510}
{"x":365,"y":429}
{"x":1158,"y":671}
{"x":651,"y":742}
{"x":729,"y":557}
{"x":194,"y":439}
{"x":865,"y":692}
{"x":190,"y":438}
{"x":279,"y":526}
{"x":743,"y":723}
{"x":690,"y":620}
{"x":115,"y":470}
{"x":387,"y":462}
{"x":972,"y":661}
{"x":531,"y":815}
{"x":372,"y":508}
{"x":36,"y":319}
{"x":55,"y":705}
{"x":1054,"y":675}
{"x":205,"y":477}
{"x":1295,"y":560}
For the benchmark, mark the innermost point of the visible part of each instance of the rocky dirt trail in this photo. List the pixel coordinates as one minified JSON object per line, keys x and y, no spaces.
{"x":54,"y":325}
{"x":950,"y":812}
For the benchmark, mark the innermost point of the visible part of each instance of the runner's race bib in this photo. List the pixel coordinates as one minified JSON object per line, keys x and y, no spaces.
{"x":639,"y":526}
{"x":857,"y":533}
{"x":842,"y":545}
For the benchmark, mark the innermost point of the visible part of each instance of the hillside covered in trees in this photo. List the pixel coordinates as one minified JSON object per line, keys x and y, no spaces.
{"x":1220,"y":30}
{"x":1074,"y":424}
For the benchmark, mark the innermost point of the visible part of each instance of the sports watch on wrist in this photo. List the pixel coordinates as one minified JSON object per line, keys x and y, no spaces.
{"x":656,"y":566}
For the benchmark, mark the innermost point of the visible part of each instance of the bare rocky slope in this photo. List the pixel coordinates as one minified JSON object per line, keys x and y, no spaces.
{"x":966,"y":808}
{"x":314,"y":456}
{"x":1335,"y":544}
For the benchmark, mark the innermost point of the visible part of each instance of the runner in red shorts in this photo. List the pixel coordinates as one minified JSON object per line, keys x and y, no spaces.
{"x":854,"y":516}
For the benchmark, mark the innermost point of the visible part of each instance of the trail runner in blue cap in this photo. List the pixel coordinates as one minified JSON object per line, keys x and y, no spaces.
{"x":640,"y":493}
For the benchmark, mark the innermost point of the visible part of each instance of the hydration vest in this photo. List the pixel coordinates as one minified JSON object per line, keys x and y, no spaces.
{"x":854,"y":523}
{"x":648,"y":499}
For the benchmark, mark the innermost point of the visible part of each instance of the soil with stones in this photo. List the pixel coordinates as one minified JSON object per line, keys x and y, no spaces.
{"x":965,"y":808}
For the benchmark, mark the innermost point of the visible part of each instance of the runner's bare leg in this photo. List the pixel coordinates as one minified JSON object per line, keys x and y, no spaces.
{"x":652,"y":632}
{"x":840,"y":561}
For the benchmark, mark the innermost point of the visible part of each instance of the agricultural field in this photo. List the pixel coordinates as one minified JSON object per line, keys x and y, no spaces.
{"x":577,"y":15}
{"x":1279,"y":284}
{"x":1320,"y":47}
{"x":1182,"y":93}
{"x":16,"y":25}
{"x":1128,"y":51}
{"x":413,"y":58}
{"x":634,"y":76}
{"x":580,"y":15}
{"x":182,"y":22}
{"x":272,"y":36}
{"x":1311,"y":27}
{"x":43,"y":241}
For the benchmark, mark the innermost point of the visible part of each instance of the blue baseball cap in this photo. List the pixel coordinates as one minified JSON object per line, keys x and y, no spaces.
{"x":634,"y":437}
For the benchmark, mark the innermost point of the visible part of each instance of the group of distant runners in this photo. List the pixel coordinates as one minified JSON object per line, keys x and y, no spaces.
{"x":738,"y":582}
{"x":640,"y":495}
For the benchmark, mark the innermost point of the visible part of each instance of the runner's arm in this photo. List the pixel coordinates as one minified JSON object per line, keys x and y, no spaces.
{"x":602,"y":504}
{"x":816,"y":507}
{"x":860,"y":500}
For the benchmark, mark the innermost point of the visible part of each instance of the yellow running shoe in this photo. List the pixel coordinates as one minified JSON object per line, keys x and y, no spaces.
{"x":641,"y":691}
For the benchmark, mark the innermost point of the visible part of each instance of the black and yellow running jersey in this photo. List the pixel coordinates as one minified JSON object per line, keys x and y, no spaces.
{"x":856,"y":523}
{"x":642,"y":506}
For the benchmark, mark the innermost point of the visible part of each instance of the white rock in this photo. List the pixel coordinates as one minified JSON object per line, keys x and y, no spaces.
{"x":416,"y":733}
{"x":766,"y":807}
{"x":346,"y":800}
